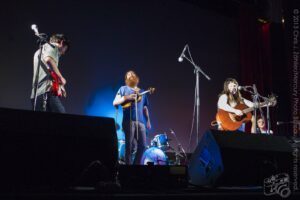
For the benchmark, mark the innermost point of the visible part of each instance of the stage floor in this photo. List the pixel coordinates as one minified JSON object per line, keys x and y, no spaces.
{"x":191,"y":192}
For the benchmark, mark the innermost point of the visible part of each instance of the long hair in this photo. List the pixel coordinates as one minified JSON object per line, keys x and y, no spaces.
{"x":237,"y":97}
{"x":132,"y":81}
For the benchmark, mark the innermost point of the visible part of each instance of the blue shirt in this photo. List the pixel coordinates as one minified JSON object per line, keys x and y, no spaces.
{"x":129,"y":113}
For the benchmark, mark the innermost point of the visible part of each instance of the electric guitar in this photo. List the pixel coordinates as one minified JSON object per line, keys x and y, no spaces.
{"x":57,"y":88}
{"x":231,"y":122}
{"x":127,"y":104}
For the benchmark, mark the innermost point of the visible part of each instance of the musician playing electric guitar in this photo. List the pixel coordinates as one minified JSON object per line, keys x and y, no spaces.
{"x":229,"y":101}
{"x":135,"y":116}
{"x":50,"y":80}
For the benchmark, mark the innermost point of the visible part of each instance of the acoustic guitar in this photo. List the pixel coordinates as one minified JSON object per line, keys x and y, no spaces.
{"x":231,"y":122}
{"x":127,"y":104}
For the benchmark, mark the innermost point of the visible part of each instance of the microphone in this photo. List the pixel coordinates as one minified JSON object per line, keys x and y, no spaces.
{"x":35,"y":29}
{"x":180,"y":59}
{"x":290,"y":122}
{"x":244,"y":87}
{"x":172,"y":132}
{"x":280,"y":123}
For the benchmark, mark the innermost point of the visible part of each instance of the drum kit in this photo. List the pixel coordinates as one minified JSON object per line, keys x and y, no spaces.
{"x":156,"y":153}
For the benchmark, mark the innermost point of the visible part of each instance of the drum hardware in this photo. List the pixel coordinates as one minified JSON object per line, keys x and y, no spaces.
{"x":155,"y":154}
{"x":160,"y":141}
{"x":178,"y":156}
{"x":180,"y":149}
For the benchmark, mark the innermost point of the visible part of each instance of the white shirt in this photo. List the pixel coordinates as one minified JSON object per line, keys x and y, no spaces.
{"x":44,"y":84}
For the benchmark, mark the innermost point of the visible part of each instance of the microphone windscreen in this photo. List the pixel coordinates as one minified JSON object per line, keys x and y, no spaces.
{"x":33,"y":26}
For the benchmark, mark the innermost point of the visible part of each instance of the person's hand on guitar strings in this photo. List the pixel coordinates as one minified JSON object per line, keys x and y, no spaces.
{"x":238,"y":112}
{"x":130,"y":97}
{"x":63,"y":80}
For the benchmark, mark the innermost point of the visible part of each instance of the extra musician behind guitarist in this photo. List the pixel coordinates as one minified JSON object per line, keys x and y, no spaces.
{"x":135,"y":117}
{"x":50,"y":80}
{"x":229,"y":99}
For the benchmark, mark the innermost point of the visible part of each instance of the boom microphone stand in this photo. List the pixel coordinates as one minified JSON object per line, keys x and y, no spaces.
{"x":42,"y":38}
{"x":255,"y":97}
{"x":197,"y":70}
{"x":268,"y":114}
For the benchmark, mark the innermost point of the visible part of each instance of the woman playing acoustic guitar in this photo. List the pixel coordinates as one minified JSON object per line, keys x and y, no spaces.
{"x":231,"y":104}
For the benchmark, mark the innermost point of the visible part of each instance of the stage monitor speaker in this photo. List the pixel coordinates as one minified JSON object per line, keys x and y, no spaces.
{"x":225,"y":158}
{"x":55,"y":151}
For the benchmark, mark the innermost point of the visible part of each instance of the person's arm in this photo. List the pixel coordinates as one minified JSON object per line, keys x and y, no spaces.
{"x":222,"y":104}
{"x":253,"y":125}
{"x":118,"y":100}
{"x":50,"y":61}
{"x":146,"y":113}
{"x":248,"y":103}
{"x":121,"y":99}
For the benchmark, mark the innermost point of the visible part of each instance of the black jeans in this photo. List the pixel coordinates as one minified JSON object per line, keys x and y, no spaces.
{"x":49,"y":103}
{"x":132,"y":139}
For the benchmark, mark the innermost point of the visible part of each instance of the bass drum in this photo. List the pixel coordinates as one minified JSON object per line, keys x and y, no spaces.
{"x":154,"y":155}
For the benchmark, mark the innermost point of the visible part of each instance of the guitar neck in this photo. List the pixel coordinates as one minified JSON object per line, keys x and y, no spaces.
{"x":145,"y":92}
{"x":252,"y":108}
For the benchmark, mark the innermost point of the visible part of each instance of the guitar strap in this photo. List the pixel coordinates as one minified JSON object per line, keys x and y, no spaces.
{"x":44,"y":67}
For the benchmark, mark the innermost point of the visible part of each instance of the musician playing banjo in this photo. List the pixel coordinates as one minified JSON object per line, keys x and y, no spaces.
{"x":135,"y":116}
{"x":229,"y":98}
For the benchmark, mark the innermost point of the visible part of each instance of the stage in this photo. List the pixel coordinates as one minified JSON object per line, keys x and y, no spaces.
{"x":79,"y":159}
{"x":153,"y":99}
{"x":188,"y":193}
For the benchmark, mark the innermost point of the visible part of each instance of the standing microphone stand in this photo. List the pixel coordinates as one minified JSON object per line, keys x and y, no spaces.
{"x":136,"y":118}
{"x":197,"y":70}
{"x":268,"y":118}
{"x":268,"y":114}
{"x":42,"y":38}
{"x":255,"y":97}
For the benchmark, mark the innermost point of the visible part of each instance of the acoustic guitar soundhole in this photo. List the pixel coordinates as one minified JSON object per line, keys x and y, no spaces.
{"x":240,"y":118}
